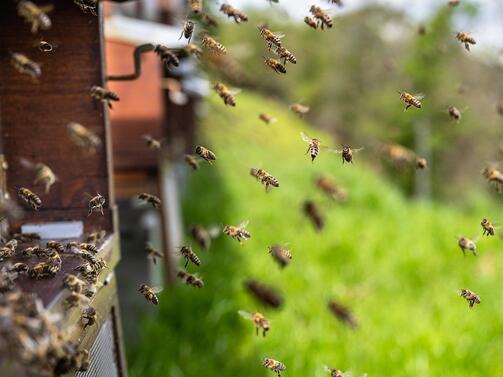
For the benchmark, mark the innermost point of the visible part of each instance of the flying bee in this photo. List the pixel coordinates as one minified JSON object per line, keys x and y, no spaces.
{"x":150,"y":293}
{"x":454,"y":113}
{"x":275,"y":65}
{"x":309,"y":21}
{"x":152,"y":143}
{"x":30,"y":198}
{"x":75,"y":299}
{"x":73,"y":283}
{"x":493,"y":176}
{"x":203,"y":236}
{"x":339,"y":3}
{"x":266,"y":118}
{"x":347,"y":153}
{"x":281,"y":255}
{"x":411,"y":100}
{"x":470,"y":296}
{"x":239,"y":233}
{"x":312,"y":211}
{"x":466,"y":38}
{"x":208,"y":20}
{"x":205,"y":154}
{"x":26,"y":66}
{"x":96,"y":236}
{"x":192,"y":161}
{"x":236,"y":14}
{"x":266,"y":294}
{"x":421,"y":163}
{"x":274,"y":365}
{"x":96,"y":203}
{"x":55,"y":245}
{"x":299,"y":109}
{"x":189,"y":255}
{"x":258,"y":320}
{"x":193,"y":50}
{"x":270,"y":37}
{"x":343,"y":313}
{"x":335,"y":372}
{"x":265,"y":178}
{"x":44,"y":46}
{"x":167,"y":56}
{"x":467,"y":244}
{"x":87,"y":5}
{"x":149,"y":198}
{"x":226,"y":94}
{"x":314,"y":145}
{"x":83,"y":137}
{"x":213,"y":45}
{"x":190,"y":279}
{"x":196,"y":5}
{"x":35,"y":15}
{"x":487,"y":227}
{"x":332,"y":189}
{"x":453,"y":3}
{"x":398,"y":155}
{"x":104,"y":95}
{"x":421,"y":29}
{"x":153,"y":253}
{"x":322,"y":18}
{"x":286,"y":55}
{"x":188,"y":30}
{"x":89,"y":316}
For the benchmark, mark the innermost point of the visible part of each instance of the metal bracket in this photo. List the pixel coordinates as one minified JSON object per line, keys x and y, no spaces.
{"x":141,"y":49}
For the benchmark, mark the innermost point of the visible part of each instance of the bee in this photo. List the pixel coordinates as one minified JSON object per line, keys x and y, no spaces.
{"x":192,"y":161}
{"x":167,"y":56}
{"x":193,"y":50}
{"x":347,"y":153}
{"x":5,"y":252}
{"x":89,"y":316}
{"x":190,"y":279}
{"x":470,"y":296}
{"x":87,"y":5}
{"x":265,"y":294}
{"x":322,"y":18}
{"x":73,"y":283}
{"x":239,"y":233}
{"x":453,"y":3}
{"x":339,"y":3}
{"x":266,"y":118}
{"x":45,"y":175}
{"x":281,"y":255}
{"x":454,"y":113}
{"x":312,"y":211}
{"x":153,"y":253}
{"x":270,"y":37}
{"x":33,"y":250}
{"x":286,"y":55}
{"x":274,"y":365}
{"x":487,"y":227}
{"x":149,"y":198}
{"x":11,"y":244}
{"x":75,"y":299}
{"x":96,"y":203}
{"x":30,"y":198}
{"x":20,"y":268}
{"x":299,"y":109}
{"x":230,"y":11}
{"x":494,"y":176}
{"x":335,"y":372}
{"x":264,"y":178}
{"x":203,"y":236}
{"x":44,"y":46}
{"x":397,"y":154}
{"x":258,"y":320}
{"x":466,"y":38}
{"x":188,"y":30}
{"x":205,"y":154}
{"x":26,"y":66}
{"x":96,"y":236}
{"x":55,"y":245}
{"x":150,"y":293}
{"x":411,"y":100}
{"x":152,"y":143}
{"x":89,"y":247}
{"x":421,"y":30}
{"x":189,"y":256}
{"x":467,"y":244}
{"x":196,"y":5}
{"x":104,"y":95}
{"x":35,"y":15}
{"x":213,"y":45}
{"x":314,"y":145}
{"x":275,"y":65}
{"x":332,"y":189}
{"x":208,"y":20}
{"x":342,"y":313}
{"x":83,"y":137}
{"x":309,"y":21}
{"x":421,"y":163}
{"x":226,"y":94}
{"x":26,"y":237}
{"x":44,"y":270}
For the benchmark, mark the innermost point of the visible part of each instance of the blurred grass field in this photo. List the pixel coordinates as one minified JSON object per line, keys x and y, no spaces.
{"x":394,"y":261}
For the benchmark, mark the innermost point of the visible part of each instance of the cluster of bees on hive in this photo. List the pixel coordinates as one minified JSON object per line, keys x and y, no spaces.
{"x":82,"y":285}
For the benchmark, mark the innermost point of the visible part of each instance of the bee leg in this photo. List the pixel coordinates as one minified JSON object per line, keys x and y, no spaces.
{"x":101,"y":210}
{"x":154,"y":260}
{"x":181,"y":35}
{"x":186,"y":262}
{"x":474,"y":252}
{"x":467,"y":46}
{"x":256,"y":331}
{"x":406,"y":107}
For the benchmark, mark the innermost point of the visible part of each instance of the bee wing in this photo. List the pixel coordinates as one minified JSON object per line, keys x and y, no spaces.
{"x":245,"y":314}
{"x":157,"y":289}
{"x":234,"y":91}
{"x":333,"y":150}
{"x":419,"y":96}
{"x":244,"y":224}
{"x":306,"y":138}
{"x":357,"y":149}
{"x":214,"y":231}
{"x":26,"y":163}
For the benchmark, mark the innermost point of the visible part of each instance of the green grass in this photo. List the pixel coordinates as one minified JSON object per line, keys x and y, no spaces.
{"x":395,"y":262}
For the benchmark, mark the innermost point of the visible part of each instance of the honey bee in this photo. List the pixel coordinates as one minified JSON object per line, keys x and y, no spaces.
{"x":75,"y":299}
{"x":266,"y":118}
{"x":230,"y":11}
{"x":73,"y":283}
{"x":30,"y":198}
{"x":149,"y":198}
{"x":153,"y":253}
{"x":286,"y":55}
{"x":96,"y":203}
{"x":26,"y":66}
{"x":11,"y":244}
{"x":281,"y":255}
{"x":312,"y":211}
{"x":193,"y":50}
{"x":343,"y":313}
{"x":264,"y":178}
{"x":89,"y":316}
{"x":83,"y":137}
{"x":44,"y":269}
{"x":188,"y":30}
{"x":89,"y":247}
{"x":20,"y":268}
{"x":44,"y":46}
{"x":470,"y":296}
{"x":203,"y":236}
{"x":421,"y":163}
{"x":35,"y":15}
{"x":467,"y":244}
{"x":411,"y":100}
{"x":55,"y":245}
{"x":5,"y":252}
{"x":104,"y":95}
{"x":152,"y":143}
{"x":270,"y":37}
{"x":196,"y":5}
{"x":87,"y":5}
{"x":150,"y":293}
{"x":322,"y":18}
{"x":192,"y":161}
{"x":487,"y":227}
{"x":239,"y":233}
{"x":314,"y":145}
{"x":226,"y":94}
{"x":167,"y":56}
{"x":213,"y":46}
{"x":96,"y":236}
{"x":275,"y":65}
{"x":208,"y":20}
{"x":331,"y":189}
{"x":466,"y":38}
{"x":274,"y":365}
{"x":454,"y":113}
{"x":205,"y":154}
{"x":493,"y":176}
{"x":299,"y":109}
{"x":339,"y":3}
{"x":34,"y":250}
{"x":189,"y":256}
{"x":309,"y":21}
{"x":45,"y":175}
{"x":258,"y":320}
{"x":397,"y":154}
{"x":190,"y":279}
{"x":265,"y":294}
{"x":335,"y":372}
{"x":453,"y":3}
{"x":26,"y":237}
{"x":347,"y":153}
